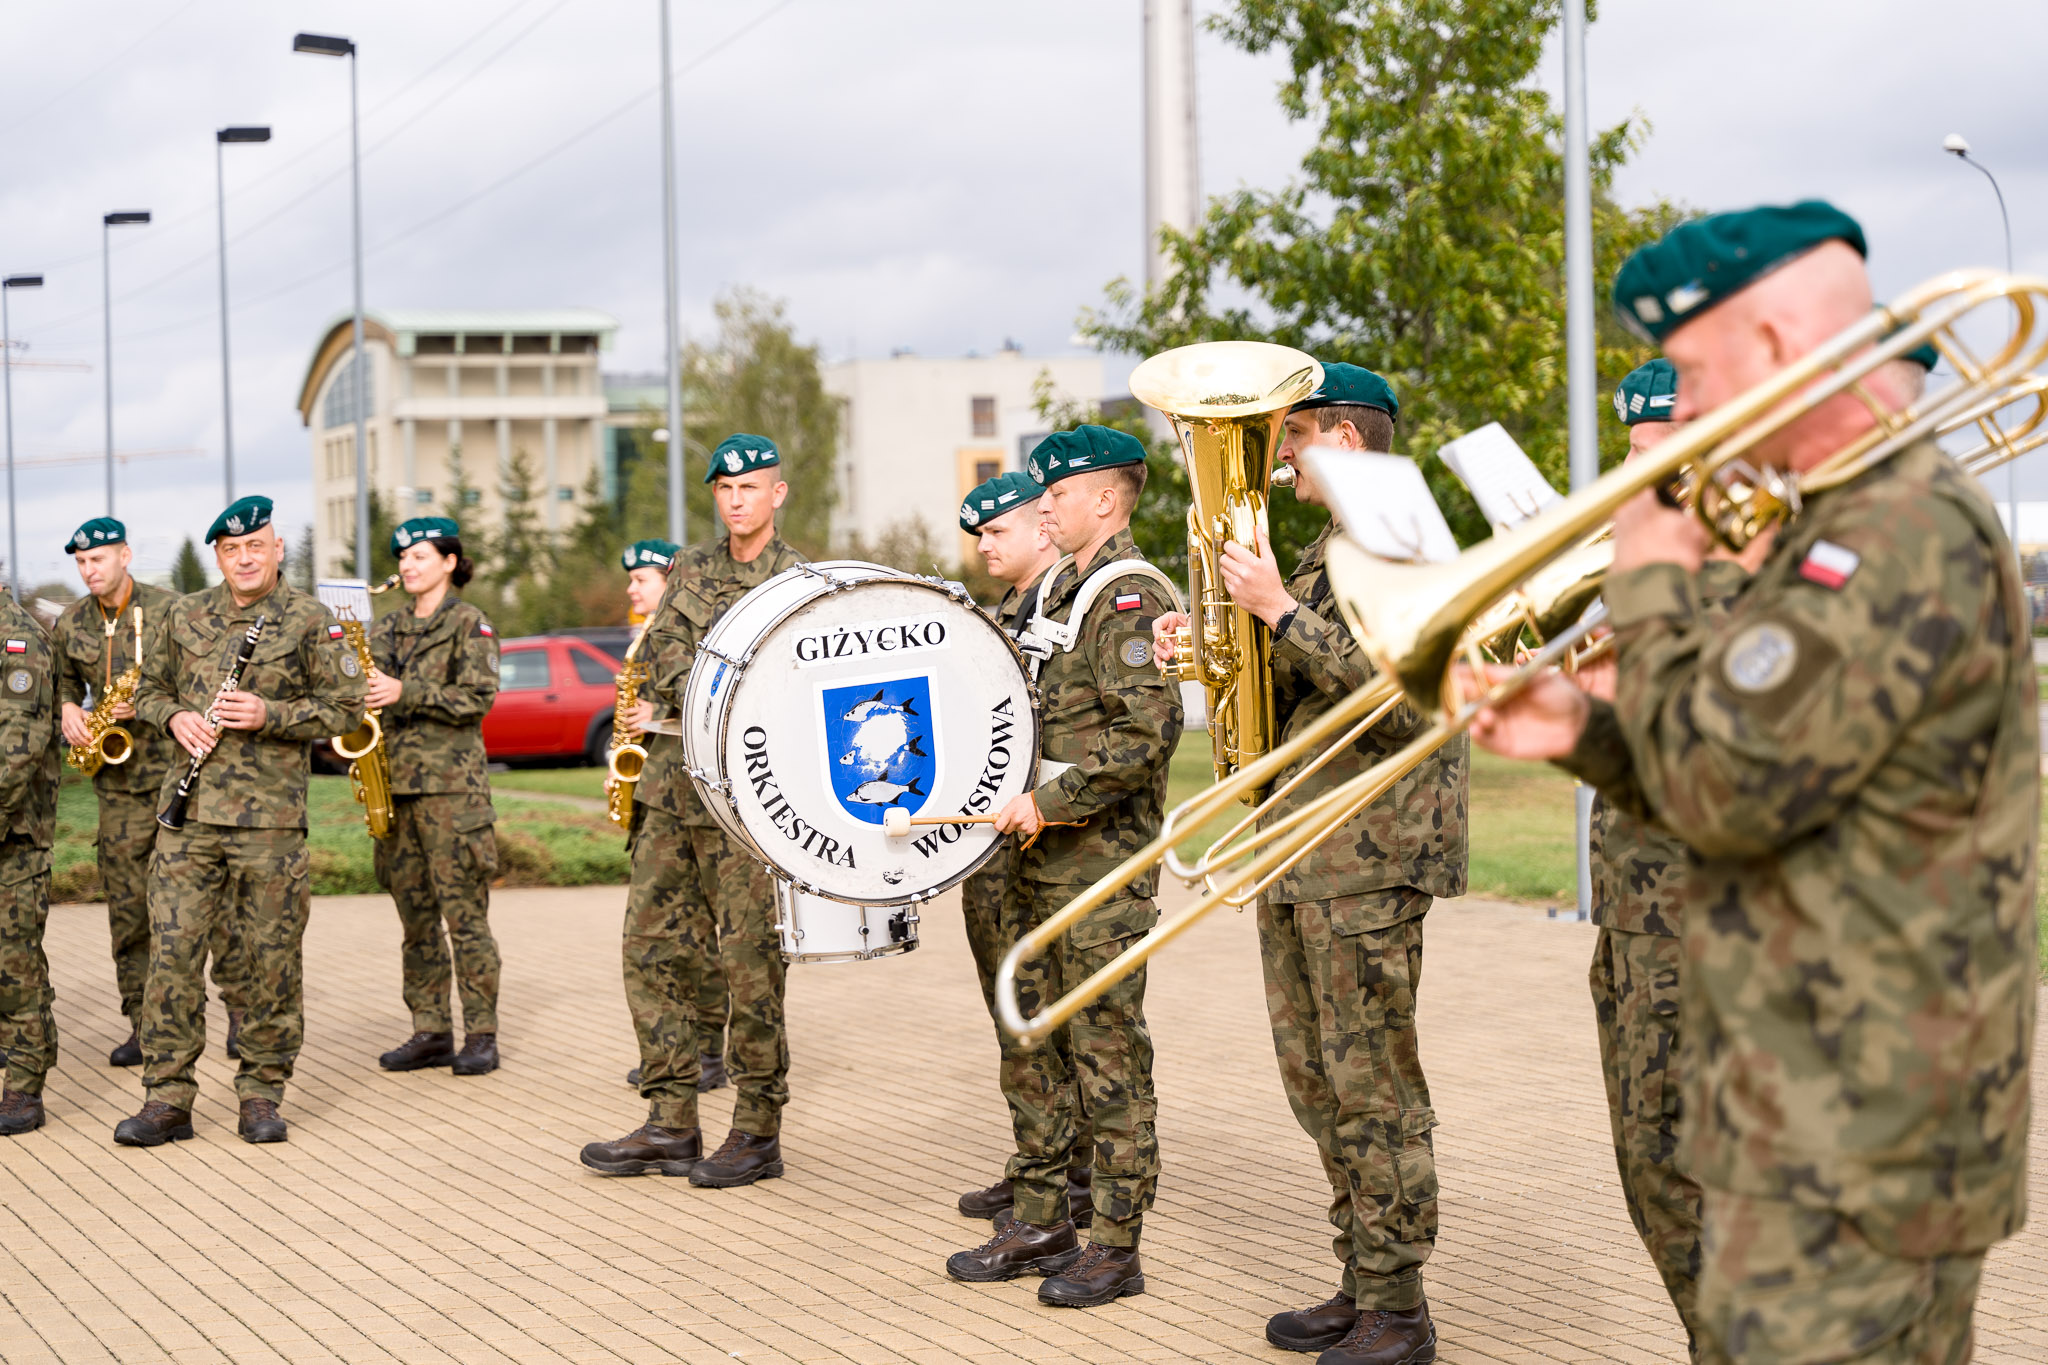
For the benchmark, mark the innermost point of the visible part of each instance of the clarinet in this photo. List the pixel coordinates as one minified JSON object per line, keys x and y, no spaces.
{"x":172,"y":816}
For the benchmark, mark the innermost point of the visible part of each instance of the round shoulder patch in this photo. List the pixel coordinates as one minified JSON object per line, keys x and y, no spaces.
{"x":349,"y":665}
{"x":20,"y":680}
{"x":1760,"y":658}
{"x":1137,"y":652}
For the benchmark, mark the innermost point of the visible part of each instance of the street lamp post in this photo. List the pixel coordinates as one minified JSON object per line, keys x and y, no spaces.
{"x":220,"y":198}
{"x":1581,"y":381}
{"x":107,"y":225}
{"x":7,"y":380}
{"x":1958,"y":146}
{"x":677,"y":525}
{"x":324,"y":46}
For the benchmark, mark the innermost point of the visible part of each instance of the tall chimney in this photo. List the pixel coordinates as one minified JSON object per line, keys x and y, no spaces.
{"x":1173,"y":192}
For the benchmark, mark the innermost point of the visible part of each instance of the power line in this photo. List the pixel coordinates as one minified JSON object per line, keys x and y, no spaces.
{"x":108,"y":65}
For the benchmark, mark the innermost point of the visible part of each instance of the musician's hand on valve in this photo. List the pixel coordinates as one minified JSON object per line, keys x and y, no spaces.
{"x":124,"y":710}
{"x":73,"y":724}
{"x":190,"y":729}
{"x":1020,"y":816}
{"x":241,"y":711}
{"x":1648,"y":532}
{"x":1163,"y":628}
{"x":640,"y":716}
{"x":1252,"y":578}
{"x":383,"y":690}
{"x":1543,"y":720}
{"x":1597,"y":678}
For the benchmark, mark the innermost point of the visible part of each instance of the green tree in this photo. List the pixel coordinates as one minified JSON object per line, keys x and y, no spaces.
{"x":188,"y":574}
{"x":299,"y":569}
{"x":1425,"y":238}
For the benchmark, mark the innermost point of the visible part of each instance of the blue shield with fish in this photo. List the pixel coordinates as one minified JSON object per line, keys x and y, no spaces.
{"x":879,"y":745}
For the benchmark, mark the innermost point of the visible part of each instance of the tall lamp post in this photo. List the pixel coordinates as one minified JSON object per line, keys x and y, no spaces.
{"x":7,"y":380}
{"x":323,"y":46}
{"x":1582,"y":398}
{"x":1958,"y":146}
{"x":677,"y":526}
{"x":107,"y":225}
{"x":220,"y":198}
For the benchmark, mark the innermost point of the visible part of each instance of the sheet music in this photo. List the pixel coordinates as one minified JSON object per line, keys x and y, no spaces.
{"x":347,"y":598}
{"x":1502,"y":478}
{"x":1383,"y":503}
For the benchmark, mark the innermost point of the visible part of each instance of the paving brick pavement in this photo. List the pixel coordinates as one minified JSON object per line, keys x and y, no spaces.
{"x":429,"y":1218}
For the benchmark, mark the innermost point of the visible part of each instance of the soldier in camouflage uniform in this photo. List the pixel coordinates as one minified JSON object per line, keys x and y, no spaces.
{"x":1002,"y":515}
{"x":242,"y":851}
{"x":435,"y":678}
{"x":647,"y":564}
{"x":697,"y":896}
{"x":1852,"y":754}
{"x":29,"y":759}
{"x":1110,"y":726}
{"x":1340,"y":934}
{"x":94,"y":643}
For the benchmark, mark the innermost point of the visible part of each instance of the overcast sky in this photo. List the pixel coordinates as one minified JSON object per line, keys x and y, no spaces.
{"x":923,"y":173}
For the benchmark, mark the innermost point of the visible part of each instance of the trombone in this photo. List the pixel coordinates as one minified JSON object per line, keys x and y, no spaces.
{"x":1418,"y":621}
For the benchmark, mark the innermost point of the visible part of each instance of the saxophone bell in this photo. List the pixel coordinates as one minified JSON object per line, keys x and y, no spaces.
{"x":116,"y":746}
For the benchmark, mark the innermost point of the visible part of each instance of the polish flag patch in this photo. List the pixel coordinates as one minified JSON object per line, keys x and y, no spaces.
{"x":1128,"y":601}
{"x":1829,"y":564}
{"x":484,"y":628}
{"x":17,"y":646}
{"x":334,"y":632}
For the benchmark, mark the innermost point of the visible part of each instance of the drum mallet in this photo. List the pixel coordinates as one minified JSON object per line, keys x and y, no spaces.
{"x":896,"y":821}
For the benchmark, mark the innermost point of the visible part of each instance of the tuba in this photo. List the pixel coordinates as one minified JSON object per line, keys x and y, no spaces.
{"x":1226,"y":400}
{"x":369,"y":767}
{"x":626,"y":757}
{"x":107,"y":742}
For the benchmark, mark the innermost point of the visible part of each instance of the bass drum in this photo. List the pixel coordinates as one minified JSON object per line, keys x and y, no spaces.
{"x":814,"y":929}
{"x":838,"y":691}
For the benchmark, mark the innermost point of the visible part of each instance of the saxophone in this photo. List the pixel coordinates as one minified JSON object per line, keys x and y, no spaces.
{"x":626,"y":757}
{"x":369,"y":768}
{"x":105,"y":741}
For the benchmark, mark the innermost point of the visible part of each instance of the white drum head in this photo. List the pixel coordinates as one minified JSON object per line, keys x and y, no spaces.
{"x":862,"y":696}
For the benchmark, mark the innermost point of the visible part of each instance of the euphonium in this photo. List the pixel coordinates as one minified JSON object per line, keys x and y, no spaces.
{"x":626,"y":757}
{"x":1226,"y":400}
{"x":107,"y":742}
{"x":369,"y":768}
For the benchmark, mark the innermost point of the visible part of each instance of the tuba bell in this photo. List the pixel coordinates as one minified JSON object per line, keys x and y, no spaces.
{"x":1226,"y":400}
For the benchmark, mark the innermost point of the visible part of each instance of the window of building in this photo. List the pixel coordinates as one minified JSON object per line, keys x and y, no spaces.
{"x":984,"y":414}
{"x":1027,"y":443}
{"x":984,"y":470}
{"x":343,"y":399}
{"x":524,"y":670}
{"x":591,"y":670}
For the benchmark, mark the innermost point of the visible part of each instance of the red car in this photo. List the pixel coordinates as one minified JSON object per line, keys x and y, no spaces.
{"x":555,"y":699}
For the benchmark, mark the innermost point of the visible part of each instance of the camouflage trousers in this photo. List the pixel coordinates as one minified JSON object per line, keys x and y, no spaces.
{"x":1634,"y":980}
{"x":1341,"y":981}
{"x":1790,"y":1285}
{"x":700,"y":923}
{"x":259,"y":879}
{"x":1096,"y":1072}
{"x":981,"y":908}
{"x":125,"y":840}
{"x":437,"y":864}
{"x":28,"y":1030}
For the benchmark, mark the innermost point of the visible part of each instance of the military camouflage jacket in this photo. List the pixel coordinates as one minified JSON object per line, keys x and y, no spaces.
{"x":1412,"y":836}
{"x":309,"y":680}
{"x":82,"y":646}
{"x":1638,"y":868}
{"x":1109,"y":713}
{"x":702,"y":586}
{"x":1854,"y":754}
{"x":449,"y":665}
{"x":30,"y":747}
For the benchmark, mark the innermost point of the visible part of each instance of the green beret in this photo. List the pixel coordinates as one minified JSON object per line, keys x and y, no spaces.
{"x":1648,"y":394}
{"x":1083,"y":449}
{"x":649,"y":554}
{"x":423,"y":528}
{"x":1925,"y":356}
{"x":1353,"y":384}
{"x":739,"y":452}
{"x":95,"y":533}
{"x":998,"y":497}
{"x":242,"y":516}
{"x":1696,"y":265}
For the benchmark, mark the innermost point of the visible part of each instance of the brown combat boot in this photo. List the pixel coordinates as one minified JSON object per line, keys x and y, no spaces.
{"x":156,"y":1124}
{"x":1098,"y":1275}
{"x":1017,"y":1249}
{"x":741,"y":1159}
{"x":991,"y":1202}
{"x":1080,"y":1200}
{"x":671,"y":1151}
{"x":1380,"y":1337}
{"x":235,"y":1035}
{"x":129,"y":1053}
{"x":479,"y":1055}
{"x":420,"y":1051}
{"x":20,"y":1112}
{"x":259,"y":1122}
{"x":711,"y":1073}
{"x":1312,"y":1329}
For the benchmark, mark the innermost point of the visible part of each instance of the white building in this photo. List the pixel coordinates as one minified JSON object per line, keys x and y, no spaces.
{"x":917,"y":434}
{"x":449,"y":390}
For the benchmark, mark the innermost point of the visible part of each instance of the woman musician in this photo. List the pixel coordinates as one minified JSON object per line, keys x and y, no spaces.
{"x":436,"y":675}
